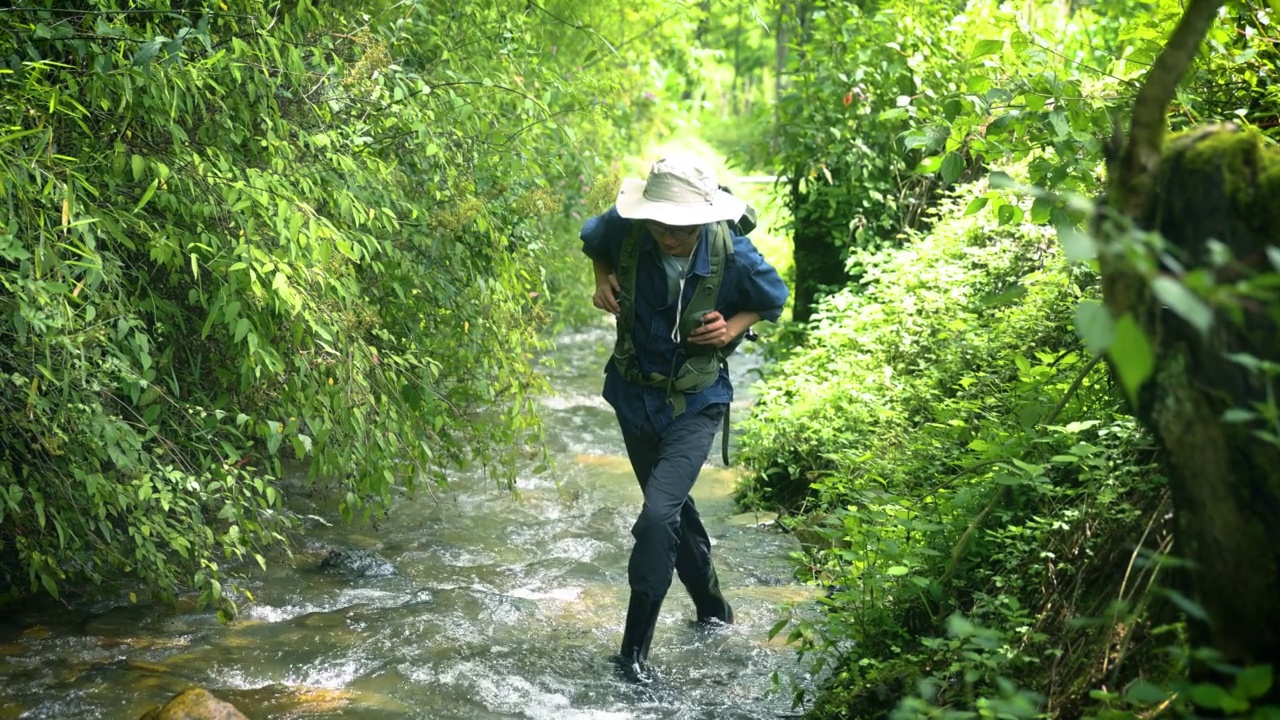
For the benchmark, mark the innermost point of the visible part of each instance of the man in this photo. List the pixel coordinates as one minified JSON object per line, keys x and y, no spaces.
{"x":685,"y":289}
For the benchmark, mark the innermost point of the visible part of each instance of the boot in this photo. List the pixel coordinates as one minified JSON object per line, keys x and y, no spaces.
{"x":642,"y":618}
{"x":711,"y":606}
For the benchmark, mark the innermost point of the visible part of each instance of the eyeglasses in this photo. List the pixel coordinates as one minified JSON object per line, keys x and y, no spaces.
{"x":679,"y":234}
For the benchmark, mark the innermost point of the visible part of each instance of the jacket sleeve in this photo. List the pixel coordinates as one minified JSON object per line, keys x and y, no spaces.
{"x":602,"y":236}
{"x":760,"y":288}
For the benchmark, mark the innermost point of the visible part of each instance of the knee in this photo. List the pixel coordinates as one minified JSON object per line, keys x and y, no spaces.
{"x":656,"y":521}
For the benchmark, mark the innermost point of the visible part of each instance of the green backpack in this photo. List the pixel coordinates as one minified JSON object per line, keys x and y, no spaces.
{"x":702,"y":363}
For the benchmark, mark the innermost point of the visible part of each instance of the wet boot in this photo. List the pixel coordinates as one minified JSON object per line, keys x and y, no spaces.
{"x":642,"y":618}
{"x":711,"y":606}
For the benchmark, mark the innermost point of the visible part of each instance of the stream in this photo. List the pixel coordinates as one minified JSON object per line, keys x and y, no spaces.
{"x":501,"y":605}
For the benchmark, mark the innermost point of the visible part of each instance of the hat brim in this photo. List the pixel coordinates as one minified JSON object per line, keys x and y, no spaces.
{"x":633,"y":205}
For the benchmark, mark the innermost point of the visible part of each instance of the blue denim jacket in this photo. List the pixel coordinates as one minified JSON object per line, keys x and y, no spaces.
{"x":749,"y":283}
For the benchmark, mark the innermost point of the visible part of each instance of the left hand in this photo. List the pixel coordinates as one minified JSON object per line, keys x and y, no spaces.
{"x":714,"y":331}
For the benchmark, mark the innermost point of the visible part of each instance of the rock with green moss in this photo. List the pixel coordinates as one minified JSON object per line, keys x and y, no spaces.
{"x":357,"y":563}
{"x":195,"y":704}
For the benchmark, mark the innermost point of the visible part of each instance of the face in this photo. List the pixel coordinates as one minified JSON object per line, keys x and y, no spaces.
{"x":674,"y":240}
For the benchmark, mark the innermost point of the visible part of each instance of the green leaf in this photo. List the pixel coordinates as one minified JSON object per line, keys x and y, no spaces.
{"x":1077,"y":246}
{"x":147,"y":52}
{"x":151,"y":190}
{"x":975,"y":205}
{"x":929,"y":165}
{"x":139,"y":167}
{"x":50,"y":584}
{"x":1095,"y":326}
{"x":1131,"y":355}
{"x":897,"y":571}
{"x":983,"y":48}
{"x":1253,"y":682}
{"x":1146,"y":693}
{"x":1184,"y":302}
{"x":242,"y":328}
{"x":952,"y":167}
{"x":1188,"y":606}
{"x":1041,"y":210}
{"x":1208,"y":696}
{"x":1238,"y":415}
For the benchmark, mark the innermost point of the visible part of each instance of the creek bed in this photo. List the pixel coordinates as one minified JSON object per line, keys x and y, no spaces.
{"x":501,"y":606}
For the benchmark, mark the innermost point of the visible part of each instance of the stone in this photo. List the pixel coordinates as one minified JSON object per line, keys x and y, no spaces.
{"x":195,"y":704}
{"x":358,"y":563}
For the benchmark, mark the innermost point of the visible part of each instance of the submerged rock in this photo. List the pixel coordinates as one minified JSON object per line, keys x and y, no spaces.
{"x":357,"y":563}
{"x":195,"y":704}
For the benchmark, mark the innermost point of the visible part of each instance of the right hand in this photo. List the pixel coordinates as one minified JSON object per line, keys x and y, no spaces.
{"x":606,"y":297}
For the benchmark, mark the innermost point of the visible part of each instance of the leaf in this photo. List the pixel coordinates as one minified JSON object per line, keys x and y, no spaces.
{"x":242,"y":327}
{"x":147,"y":52}
{"x":1131,"y":355}
{"x":952,"y":167}
{"x":1184,"y":302}
{"x":1238,"y":415}
{"x":929,"y":165}
{"x":1146,"y":693}
{"x":1209,"y":696}
{"x":897,"y":571}
{"x":1077,"y":246}
{"x":1188,"y":606}
{"x":1095,"y":326}
{"x":975,"y":205}
{"x":1001,"y":180}
{"x":1253,"y":682}
{"x":983,"y":48}
{"x":151,"y":190}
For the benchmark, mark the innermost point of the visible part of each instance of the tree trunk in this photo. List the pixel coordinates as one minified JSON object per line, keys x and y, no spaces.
{"x":1212,"y":188}
{"x":1219,"y":184}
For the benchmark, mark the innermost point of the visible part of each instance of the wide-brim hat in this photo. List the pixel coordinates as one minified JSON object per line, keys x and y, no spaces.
{"x":681,"y":190}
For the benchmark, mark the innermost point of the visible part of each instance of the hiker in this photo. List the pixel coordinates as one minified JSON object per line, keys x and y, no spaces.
{"x":685,"y":288}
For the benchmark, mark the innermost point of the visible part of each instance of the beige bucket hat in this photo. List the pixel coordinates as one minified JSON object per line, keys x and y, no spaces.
{"x":681,"y":190}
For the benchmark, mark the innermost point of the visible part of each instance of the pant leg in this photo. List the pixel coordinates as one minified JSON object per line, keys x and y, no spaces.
{"x":658,"y":531}
{"x":693,"y":557}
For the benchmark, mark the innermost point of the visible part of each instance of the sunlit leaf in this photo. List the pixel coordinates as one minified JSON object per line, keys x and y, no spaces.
{"x":1132,"y":355}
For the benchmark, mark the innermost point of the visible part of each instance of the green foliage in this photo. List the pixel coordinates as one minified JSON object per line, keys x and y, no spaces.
{"x":962,"y":481}
{"x":250,"y":233}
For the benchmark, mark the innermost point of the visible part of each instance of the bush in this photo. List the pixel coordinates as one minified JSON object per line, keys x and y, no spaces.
{"x":962,"y":481}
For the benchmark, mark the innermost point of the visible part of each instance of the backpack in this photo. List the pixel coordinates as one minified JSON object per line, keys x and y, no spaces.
{"x":702,"y":363}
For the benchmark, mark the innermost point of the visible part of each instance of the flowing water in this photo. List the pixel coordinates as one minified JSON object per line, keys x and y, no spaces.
{"x":501,"y":606}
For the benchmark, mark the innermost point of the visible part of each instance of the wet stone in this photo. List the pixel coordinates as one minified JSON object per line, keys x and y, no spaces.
{"x":195,"y":704}
{"x":357,"y":563}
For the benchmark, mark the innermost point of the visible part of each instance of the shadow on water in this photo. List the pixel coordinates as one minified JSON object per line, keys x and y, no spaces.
{"x":499,"y":607}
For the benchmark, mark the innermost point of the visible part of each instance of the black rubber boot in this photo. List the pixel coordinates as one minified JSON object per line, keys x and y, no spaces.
{"x":642,"y":618}
{"x":711,"y":606}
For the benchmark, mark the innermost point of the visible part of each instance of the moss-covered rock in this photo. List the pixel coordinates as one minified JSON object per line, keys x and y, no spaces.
{"x":195,"y":704}
{"x":357,"y":563}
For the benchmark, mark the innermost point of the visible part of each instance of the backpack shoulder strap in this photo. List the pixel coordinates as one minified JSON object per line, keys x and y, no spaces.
{"x":624,"y":349}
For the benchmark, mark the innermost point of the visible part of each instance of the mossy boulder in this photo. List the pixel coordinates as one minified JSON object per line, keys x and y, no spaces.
{"x":195,"y":704}
{"x":357,"y":563}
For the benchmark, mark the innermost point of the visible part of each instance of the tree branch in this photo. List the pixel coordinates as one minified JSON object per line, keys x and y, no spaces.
{"x":1147,"y":126}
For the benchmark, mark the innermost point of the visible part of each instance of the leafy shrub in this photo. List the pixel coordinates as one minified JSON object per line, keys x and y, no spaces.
{"x":238,"y":237}
{"x":962,"y":481}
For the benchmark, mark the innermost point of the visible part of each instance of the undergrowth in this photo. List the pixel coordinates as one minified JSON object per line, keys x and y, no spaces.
{"x":987,"y":523}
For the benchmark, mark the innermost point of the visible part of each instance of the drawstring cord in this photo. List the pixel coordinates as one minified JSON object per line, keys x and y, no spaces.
{"x":684,"y":275}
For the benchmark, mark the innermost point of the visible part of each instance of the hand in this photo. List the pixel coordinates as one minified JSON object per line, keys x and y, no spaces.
{"x":713,"y":331}
{"x":606,"y":297}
